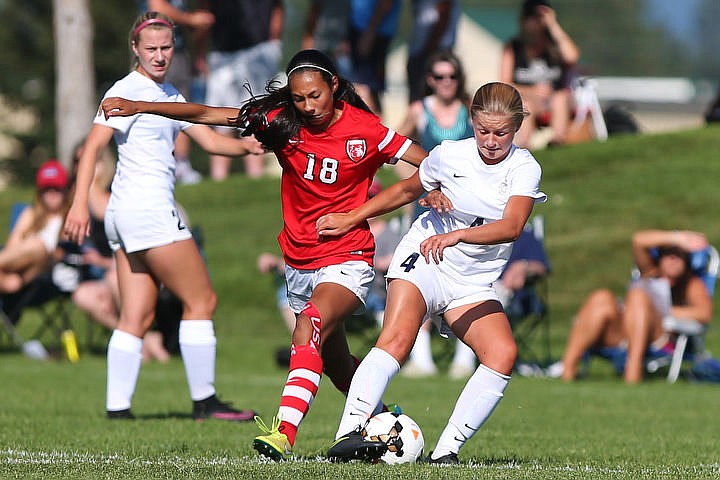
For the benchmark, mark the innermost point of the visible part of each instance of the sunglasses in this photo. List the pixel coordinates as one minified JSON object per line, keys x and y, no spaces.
{"x":52,"y":189}
{"x":444,"y":77}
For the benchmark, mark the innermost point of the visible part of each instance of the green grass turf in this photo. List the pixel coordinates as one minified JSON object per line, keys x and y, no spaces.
{"x":52,"y":421}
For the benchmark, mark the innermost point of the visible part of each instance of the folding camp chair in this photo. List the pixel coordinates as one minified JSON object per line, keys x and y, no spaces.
{"x":690,"y":334}
{"x":52,"y":304}
{"x":527,"y":309}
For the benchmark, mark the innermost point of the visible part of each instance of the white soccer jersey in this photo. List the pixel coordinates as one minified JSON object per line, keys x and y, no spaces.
{"x":145,"y":175}
{"x":479,"y":194}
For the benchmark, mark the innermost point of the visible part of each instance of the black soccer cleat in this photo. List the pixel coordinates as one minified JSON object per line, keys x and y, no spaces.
{"x":212,"y":407}
{"x":354,"y":447}
{"x":449,"y":459}
{"x":120,"y":414}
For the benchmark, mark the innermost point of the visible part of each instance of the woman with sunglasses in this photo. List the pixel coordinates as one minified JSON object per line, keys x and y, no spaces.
{"x":442,"y":114}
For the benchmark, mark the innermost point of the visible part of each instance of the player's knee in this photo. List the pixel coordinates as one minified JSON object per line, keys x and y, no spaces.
{"x":503,"y":356}
{"x":202,"y":306}
{"x":308,"y":327}
{"x":397,"y":343}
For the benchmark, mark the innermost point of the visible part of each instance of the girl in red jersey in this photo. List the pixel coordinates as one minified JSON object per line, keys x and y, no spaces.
{"x":330,"y":146}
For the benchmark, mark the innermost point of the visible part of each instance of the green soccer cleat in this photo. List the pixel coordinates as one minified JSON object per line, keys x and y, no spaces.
{"x":273,"y":445}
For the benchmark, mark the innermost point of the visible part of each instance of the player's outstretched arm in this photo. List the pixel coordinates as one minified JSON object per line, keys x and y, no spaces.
{"x":189,"y":112}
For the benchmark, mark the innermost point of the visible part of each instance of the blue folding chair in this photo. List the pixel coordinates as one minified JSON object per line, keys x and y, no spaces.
{"x":690,"y":333}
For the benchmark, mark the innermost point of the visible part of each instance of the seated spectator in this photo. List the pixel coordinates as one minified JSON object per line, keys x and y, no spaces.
{"x":540,"y":62}
{"x":32,"y":242}
{"x":666,"y":286}
{"x":443,"y":111}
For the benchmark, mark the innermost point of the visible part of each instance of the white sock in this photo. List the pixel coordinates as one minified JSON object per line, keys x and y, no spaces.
{"x":124,"y":357}
{"x":368,"y":384}
{"x":421,"y":353}
{"x":464,"y":355}
{"x":482,"y":392}
{"x":197,"y":348}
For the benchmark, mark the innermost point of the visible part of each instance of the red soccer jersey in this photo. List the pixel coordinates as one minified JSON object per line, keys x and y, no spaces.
{"x":331,"y":171}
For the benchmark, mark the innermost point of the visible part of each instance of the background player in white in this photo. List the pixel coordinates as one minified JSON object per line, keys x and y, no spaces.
{"x":152,"y":246}
{"x":493,"y":186}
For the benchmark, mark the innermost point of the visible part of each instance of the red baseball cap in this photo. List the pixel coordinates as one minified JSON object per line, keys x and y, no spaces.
{"x":51,"y":175}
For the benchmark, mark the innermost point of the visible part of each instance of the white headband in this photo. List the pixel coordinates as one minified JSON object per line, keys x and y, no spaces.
{"x":310,"y":65}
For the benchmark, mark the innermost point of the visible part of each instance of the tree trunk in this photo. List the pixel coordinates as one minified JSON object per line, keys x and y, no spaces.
{"x":75,"y":101}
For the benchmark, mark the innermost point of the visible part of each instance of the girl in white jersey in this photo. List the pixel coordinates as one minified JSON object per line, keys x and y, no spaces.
{"x":445,"y":267}
{"x":152,"y":245}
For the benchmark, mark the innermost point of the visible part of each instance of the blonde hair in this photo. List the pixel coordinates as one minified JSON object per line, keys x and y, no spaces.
{"x":41,"y":214}
{"x":147,"y":20}
{"x":500,"y":98}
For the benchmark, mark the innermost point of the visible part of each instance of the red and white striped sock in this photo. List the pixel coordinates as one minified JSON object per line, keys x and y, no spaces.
{"x":300,"y":389}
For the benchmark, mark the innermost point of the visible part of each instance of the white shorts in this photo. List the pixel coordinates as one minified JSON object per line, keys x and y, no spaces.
{"x":439,"y":289}
{"x":135,"y":230}
{"x":357,"y":276}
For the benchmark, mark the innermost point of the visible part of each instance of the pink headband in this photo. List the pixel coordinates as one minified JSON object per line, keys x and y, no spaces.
{"x":151,"y":21}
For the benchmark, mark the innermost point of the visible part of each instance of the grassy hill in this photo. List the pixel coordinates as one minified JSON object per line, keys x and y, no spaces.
{"x":52,"y":414}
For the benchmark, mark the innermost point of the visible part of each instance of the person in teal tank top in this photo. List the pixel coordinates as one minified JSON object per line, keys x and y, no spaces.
{"x":433,"y":134}
{"x":442,"y":113}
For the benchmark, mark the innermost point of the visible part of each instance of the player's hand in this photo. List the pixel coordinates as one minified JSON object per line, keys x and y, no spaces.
{"x":253,"y":145}
{"x":436,"y":200}
{"x":333,"y":225}
{"x":118,"y":107}
{"x":77,"y":223}
{"x":434,"y":246}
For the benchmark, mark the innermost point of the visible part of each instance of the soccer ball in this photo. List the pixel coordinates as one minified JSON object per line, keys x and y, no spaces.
{"x":401,"y":433}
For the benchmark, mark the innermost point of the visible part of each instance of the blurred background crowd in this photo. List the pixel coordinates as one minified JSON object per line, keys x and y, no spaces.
{"x":650,"y":57}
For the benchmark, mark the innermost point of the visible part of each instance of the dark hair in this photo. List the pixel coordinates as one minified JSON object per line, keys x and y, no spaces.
{"x":678,"y":291}
{"x":673,"y":250}
{"x":286,"y":124}
{"x":529,"y":7}
{"x":452,"y":59}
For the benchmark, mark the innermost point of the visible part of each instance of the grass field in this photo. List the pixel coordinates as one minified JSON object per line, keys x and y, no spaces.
{"x":52,"y":421}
